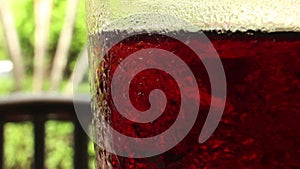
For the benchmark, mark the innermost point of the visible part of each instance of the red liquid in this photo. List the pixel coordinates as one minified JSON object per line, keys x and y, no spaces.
{"x":260,"y":125}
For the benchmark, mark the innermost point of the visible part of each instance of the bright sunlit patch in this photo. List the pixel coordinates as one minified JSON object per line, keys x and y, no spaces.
{"x":6,"y":66}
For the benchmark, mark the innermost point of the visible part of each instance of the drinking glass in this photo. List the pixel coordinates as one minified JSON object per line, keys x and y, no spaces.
{"x":194,"y":84}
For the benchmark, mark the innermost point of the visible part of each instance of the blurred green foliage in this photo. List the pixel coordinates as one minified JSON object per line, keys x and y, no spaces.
{"x":2,"y":46}
{"x":18,"y":143}
{"x":23,"y":12}
{"x":59,"y":142}
{"x":6,"y":82}
{"x":59,"y":135}
{"x":24,"y":22}
{"x":19,"y":139}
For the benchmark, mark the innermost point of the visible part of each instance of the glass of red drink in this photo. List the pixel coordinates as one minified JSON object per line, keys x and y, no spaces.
{"x":234,"y":86}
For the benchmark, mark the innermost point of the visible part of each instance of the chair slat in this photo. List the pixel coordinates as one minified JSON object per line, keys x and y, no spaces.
{"x":80,"y":147}
{"x":39,"y":143}
{"x":39,"y":109}
{"x":1,"y":142}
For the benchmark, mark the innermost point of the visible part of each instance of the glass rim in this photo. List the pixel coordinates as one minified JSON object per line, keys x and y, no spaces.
{"x":221,"y":15}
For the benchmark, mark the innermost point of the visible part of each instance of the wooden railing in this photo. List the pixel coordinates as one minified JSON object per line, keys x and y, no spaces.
{"x":38,"y":110}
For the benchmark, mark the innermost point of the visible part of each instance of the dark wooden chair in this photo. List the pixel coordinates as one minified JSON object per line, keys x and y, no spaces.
{"x":38,"y":109}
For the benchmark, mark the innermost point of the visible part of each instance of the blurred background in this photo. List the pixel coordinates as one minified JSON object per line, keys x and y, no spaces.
{"x":40,"y":43}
